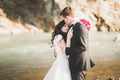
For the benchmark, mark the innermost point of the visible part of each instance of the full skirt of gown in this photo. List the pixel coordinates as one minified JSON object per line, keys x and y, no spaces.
{"x":59,"y":70}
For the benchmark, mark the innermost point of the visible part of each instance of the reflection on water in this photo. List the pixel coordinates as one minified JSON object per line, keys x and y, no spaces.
{"x":28,"y":56}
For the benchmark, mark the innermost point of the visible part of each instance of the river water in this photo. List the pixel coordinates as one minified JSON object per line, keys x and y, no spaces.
{"x":29,"y":56}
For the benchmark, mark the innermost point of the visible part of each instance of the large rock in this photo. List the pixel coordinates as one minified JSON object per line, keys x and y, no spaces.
{"x":9,"y":26}
{"x":36,"y":12}
{"x":107,"y":14}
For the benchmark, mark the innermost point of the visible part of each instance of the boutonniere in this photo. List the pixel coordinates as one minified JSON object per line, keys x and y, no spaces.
{"x":86,"y":23}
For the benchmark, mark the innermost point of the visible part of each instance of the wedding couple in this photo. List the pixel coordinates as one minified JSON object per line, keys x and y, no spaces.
{"x":70,"y":41}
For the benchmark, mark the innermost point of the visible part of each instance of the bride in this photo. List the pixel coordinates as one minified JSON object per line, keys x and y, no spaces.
{"x":60,"y":68}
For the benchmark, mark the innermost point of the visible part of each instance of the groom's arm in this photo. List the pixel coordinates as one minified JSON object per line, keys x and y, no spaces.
{"x":80,"y":31}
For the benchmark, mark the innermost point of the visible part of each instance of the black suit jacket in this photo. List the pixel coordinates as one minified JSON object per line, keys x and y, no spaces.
{"x":79,"y":58}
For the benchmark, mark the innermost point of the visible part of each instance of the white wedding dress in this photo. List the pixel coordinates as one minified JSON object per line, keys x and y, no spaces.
{"x":60,"y":67}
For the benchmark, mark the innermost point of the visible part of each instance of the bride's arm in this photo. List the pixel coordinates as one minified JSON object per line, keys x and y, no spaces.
{"x":61,"y":44}
{"x":69,"y":36}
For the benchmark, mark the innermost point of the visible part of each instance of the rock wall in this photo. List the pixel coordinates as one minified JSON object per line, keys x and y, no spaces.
{"x":44,"y":14}
{"x":36,"y":12}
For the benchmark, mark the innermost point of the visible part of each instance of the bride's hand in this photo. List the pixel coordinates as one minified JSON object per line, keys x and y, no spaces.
{"x":55,"y":54}
{"x":70,"y":34}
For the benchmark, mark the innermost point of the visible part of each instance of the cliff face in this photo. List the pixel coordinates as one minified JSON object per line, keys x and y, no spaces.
{"x":44,"y":14}
{"x":36,"y":12}
{"x":102,"y":14}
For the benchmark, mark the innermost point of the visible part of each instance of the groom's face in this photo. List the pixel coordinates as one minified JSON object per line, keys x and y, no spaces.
{"x":66,"y":19}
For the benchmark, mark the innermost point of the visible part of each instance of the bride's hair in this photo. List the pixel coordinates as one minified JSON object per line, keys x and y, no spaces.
{"x":58,"y":30}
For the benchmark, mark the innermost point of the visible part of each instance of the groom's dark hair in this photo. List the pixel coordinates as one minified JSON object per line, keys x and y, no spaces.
{"x":67,"y":11}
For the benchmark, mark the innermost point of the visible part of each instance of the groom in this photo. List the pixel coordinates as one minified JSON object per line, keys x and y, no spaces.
{"x":79,"y":61}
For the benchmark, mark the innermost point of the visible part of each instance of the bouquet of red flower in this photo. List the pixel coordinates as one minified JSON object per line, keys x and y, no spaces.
{"x":86,"y":23}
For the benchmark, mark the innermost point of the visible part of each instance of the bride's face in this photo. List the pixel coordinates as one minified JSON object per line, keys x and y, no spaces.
{"x":65,"y":28}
